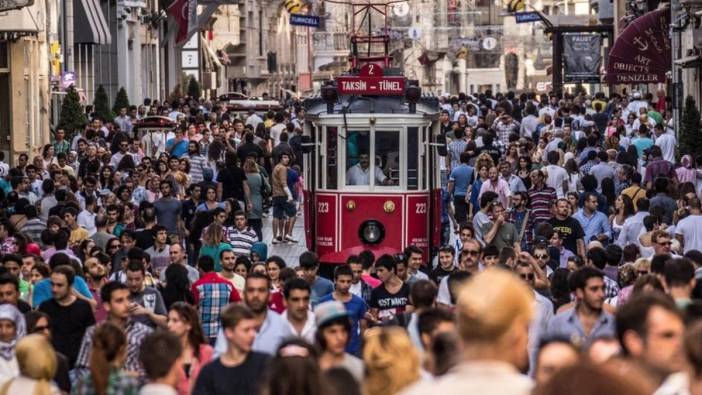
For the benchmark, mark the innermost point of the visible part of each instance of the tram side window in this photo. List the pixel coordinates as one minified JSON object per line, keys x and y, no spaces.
{"x":358,"y":157}
{"x":332,"y":157}
{"x":412,"y":158}
{"x":387,"y":154}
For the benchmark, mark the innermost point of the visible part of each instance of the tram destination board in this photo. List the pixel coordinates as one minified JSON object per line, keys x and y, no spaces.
{"x":362,"y":85}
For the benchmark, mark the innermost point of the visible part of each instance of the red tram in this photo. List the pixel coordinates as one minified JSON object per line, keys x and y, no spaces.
{"x":372,"y":178}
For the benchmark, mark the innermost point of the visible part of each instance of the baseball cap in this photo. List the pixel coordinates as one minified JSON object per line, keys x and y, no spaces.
{"x":329,"y":311}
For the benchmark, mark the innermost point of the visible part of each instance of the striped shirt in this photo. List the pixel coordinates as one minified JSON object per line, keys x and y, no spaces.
{"x":541,"y":201}
{"x":197,"y":164}
{"x":212,"y":294}
{"x":240,"y":240}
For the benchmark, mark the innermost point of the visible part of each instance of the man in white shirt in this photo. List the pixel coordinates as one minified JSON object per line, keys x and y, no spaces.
{"x":689,"y":229}
{"x":667,"y":143}
{"x":154,"y":143}
{"x":86,"y":218}
{"x":253,"y":119}
{"x":297,"y":313}
{"x":557,"y":176}
{"x":530,"y":122}
{"x":359,"y":174}
{"x":278,"y":128}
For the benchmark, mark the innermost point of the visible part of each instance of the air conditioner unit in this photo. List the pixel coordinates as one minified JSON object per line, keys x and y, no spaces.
{"x":209,"y":80}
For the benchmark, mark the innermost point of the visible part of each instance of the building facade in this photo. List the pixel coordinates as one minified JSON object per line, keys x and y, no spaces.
{"x":24,"y":79}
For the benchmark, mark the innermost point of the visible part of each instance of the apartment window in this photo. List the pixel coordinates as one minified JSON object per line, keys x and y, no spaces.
{"x":3,"y":55}
{"x":260,"y":33}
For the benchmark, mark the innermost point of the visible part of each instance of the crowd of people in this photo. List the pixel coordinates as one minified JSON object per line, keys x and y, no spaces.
{"x":135,"y":263}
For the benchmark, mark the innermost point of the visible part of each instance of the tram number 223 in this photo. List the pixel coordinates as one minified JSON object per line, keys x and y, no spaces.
{"x":323,"y":207}
{"x":421,"y":208}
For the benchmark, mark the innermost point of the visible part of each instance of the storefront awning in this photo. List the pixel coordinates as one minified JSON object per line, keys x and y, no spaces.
{"x":89,"y":22}
{"x":642,"y":52}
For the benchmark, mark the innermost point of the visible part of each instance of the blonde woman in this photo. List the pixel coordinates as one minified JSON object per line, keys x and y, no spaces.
{"x":37,"y":365}
{"x":213,"y":244}
{"x":392,"y":362}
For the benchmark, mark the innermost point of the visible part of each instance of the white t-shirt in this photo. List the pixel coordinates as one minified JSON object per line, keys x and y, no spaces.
{"x":556,"y":176}
{"x":691,"y":230}
{"x":667,"y":144}
{"x":276,"y":131}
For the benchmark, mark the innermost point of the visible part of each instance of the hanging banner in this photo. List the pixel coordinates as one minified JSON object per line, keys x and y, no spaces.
{"x":642,"y":52}
{"x":582,"y":57}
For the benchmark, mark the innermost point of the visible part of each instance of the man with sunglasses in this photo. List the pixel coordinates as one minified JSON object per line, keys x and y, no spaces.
{"x":543,"y":307}
{"x":469,"y":261}
{"x":117,"y":156}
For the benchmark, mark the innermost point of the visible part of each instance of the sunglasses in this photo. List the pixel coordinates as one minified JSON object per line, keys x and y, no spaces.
{"x":527,"y":276}
{"x":470,"y":252}
{"x":541,"y":256}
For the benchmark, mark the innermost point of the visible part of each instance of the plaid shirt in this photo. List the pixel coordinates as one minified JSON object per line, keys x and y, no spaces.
{"x":212,"y":294}
{"x":61,"y":146}
{"x":456,"y":148}
{"x":136,"y":332}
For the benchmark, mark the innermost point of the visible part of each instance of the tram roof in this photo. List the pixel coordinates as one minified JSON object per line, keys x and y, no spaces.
{"x":427,"y":105}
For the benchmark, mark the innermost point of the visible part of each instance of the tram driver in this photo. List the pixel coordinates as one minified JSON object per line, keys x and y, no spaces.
{"x":359,"y":174}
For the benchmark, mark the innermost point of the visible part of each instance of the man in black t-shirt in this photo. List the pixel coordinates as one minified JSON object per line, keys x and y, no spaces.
{"x":69,"y":315}
{"x":392,"y":297}
{"x":446,"y":264}
{"x":238,"y":370}
{"x":569,"y":228}
{"x":231,"y":181}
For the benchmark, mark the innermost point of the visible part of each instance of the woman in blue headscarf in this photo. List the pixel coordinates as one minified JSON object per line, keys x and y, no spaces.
{"x":259,"y":252}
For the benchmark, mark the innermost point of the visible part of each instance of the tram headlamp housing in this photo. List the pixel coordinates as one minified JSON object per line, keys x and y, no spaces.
{"x":371,"y":232}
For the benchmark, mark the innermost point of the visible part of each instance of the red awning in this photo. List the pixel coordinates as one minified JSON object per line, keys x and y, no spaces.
{"x":642,"y":52}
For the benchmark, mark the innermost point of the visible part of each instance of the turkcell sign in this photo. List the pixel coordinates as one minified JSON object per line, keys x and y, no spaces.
{"x":527,"y":17}
{"x":304,"y":20}
{"x":381,"y":86}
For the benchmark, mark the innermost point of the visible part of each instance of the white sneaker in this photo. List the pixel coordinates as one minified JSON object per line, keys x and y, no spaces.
{"x":290,"y":239}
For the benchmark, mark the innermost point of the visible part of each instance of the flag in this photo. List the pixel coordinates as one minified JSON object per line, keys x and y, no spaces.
{"x":182,"y":12}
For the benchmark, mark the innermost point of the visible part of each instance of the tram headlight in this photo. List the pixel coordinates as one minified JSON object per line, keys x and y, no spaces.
{"x":371,"y":232}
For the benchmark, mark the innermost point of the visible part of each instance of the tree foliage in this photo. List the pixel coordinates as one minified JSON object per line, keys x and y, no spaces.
{"x":121,"y":101}
{"x":72,"y":115}
{"x":690,"y":139}
{"x":194,"y":90}
{"x":101,"y":104}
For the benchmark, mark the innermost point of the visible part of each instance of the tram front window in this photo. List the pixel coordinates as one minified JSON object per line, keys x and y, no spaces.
{"x":359,"y":154}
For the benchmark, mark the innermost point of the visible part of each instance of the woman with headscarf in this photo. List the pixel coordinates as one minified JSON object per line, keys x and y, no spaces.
{"x":687,"y":172}
{"x":12,"y":328}
{"x":37,"y":366}
{"x":259,"y":252}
